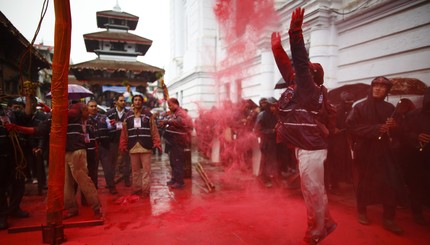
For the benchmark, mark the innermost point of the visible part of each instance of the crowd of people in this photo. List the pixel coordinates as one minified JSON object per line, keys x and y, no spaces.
{"x":379,"y":148}
{"x":121,"y":140}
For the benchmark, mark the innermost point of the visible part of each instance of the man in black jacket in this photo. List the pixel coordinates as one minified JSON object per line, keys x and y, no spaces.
{"x":116,"y":116}
{"x":300,"y":126}
{"x":373,"y":128}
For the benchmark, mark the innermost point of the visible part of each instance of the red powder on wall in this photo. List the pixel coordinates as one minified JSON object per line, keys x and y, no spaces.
{"x":243,"y":25}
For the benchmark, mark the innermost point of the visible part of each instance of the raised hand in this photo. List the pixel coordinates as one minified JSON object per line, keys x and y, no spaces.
{"x":276,"y":39}
{"x":297,"y":19}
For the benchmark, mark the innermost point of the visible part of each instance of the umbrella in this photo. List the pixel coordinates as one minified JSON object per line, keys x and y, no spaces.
{"x":358,"y":90}
{"x":281,"y":84}
{"x":75,"y":92}
{"x":22,"y":100}
{"x":403,"y":86}
{"x":251,"y":103}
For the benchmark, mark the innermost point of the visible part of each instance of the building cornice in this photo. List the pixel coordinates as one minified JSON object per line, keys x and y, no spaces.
{"x":375,"y":13}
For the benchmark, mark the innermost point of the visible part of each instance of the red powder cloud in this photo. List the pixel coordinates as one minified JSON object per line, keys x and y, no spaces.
{"x":242,"y":23}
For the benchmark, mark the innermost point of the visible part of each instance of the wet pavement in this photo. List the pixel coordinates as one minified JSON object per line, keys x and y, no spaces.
{"x":240,"y":210}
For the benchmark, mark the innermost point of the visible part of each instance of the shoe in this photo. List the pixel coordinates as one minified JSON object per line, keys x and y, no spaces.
{"x":390,"y":225}
{"x":362,"y":219}
{"x":113,"y":191}
{"x":335,"y":190}
{"x":20,"y":214}
{"x":178,"y":186}
{"x":171,"y":182}
{"x":70,"y":214}
{"x":268,"y":184}
{"x":127,"y":182}
{"x":137,"y":192}
{"x":118,"y":179}
{"x":313,"y":240}
{"x":98,"y":214}
{"x":3,"y":223}
{"x":84,"y":202}
{"x":420,"y":220}
{"x":330,"y":228}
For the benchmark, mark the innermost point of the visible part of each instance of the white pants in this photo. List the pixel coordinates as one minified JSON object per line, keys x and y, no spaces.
{"x":311,"y":167}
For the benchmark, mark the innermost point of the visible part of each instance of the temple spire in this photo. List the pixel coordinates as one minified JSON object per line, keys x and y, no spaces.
{"x":117,"y":8}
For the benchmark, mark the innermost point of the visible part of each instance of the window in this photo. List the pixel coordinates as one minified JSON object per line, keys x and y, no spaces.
{"x":118,"y":47}
{"x":238,"y":90}
{"x":227,"y":91}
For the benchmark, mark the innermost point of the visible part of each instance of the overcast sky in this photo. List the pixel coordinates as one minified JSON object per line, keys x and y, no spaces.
{"x":153,"y":24}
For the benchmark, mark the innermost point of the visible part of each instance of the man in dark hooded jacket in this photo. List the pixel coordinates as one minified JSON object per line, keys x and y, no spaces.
{"x":265,"y":130}
{"x":416,"y":149}
{"x":373,"y":128}
{"x":300,"y":126}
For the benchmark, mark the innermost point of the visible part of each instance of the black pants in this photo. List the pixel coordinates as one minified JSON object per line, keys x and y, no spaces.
{"x":93,"y":166}
{"x":11,"y":186}
{"x":177,"y":160}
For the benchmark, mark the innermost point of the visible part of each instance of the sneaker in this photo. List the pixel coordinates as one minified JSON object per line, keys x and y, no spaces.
{"x":98,"y":214}
{"x":390,"y":225}
{"x":330,"y":228}
{"x":70,"y":214}
{"x":178,"y":186}
{"x":20,"y":214}
{"x":362,"y":219}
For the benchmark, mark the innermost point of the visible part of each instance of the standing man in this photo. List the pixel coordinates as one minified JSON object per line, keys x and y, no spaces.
{"x":299,"y":127}
{"x":178,"y":133}
{"x":99,"y":123}
{"x":373,"y":127}
{"x":265,"y":130}
{"x":138,"y":137}
{"x":116,"y":116}
{"x":416,"y":153}
{"x":76,"y":163}
{"x":12,"y":179}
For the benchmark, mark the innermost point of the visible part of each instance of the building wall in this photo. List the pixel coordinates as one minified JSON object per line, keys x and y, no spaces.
{"x":354,"y":41}
{"x":193,"y":52}
{"x":391,"y":39}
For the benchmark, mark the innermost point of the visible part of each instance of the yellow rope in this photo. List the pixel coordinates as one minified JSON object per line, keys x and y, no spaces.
{"x":21,"y":163}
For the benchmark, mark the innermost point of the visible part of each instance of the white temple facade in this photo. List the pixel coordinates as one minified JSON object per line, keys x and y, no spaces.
{"x":354,"y":41}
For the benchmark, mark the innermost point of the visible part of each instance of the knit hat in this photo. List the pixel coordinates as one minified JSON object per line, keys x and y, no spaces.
{"x":317,"y":72}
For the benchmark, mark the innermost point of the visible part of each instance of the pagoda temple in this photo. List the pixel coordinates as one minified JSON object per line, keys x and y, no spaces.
{"x":117,"y":50}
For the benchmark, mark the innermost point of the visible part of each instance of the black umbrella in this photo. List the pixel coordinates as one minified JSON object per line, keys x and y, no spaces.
{"x":358,"y":91}
{"x":251,"y":103}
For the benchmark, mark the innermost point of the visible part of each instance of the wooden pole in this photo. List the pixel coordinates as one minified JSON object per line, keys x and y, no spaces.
{"x":57,"y":146}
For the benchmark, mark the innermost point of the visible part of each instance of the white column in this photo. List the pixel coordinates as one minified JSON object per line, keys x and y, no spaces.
{"x":324,"y":49}
{"x":267,"y":83}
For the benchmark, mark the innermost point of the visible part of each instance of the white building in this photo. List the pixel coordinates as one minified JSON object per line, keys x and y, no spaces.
{"x":354,"y":41}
